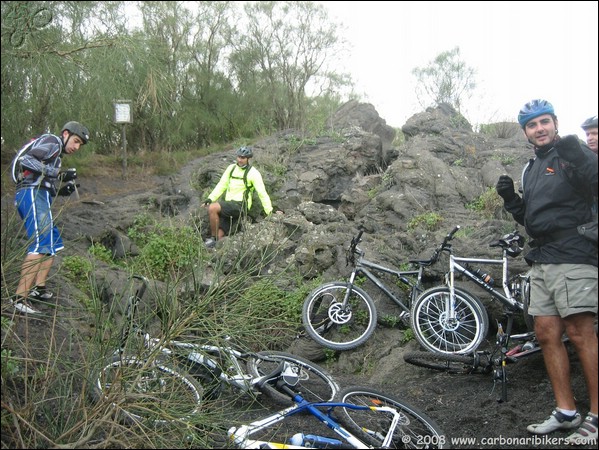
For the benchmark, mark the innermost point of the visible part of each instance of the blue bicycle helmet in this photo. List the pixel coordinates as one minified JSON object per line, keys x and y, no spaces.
{"x":591,"y":122}
{"x":244,"y":152}
{"x":534,"y":108}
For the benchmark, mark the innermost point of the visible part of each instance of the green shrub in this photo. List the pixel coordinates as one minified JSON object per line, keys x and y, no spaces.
{"x":77,"y":269}
{"x":430,"y":221}
{"x":168,"y":252}
{"x":487,"y":203}
{"x":100,"y":252}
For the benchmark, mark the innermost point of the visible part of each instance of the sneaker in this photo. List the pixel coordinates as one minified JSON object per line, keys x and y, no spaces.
{"x":556,"y":421}
{"x":40,"y":293}
{"x":23,"y":306}
{"x":210,"y":242}
{"x":586,"y":433}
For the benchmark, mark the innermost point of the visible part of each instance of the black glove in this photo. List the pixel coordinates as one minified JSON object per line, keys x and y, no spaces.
{"x":69,"y":175}
{"x":505,"y":188}
{"x":68,"y":189}
{"x":568,"y":148}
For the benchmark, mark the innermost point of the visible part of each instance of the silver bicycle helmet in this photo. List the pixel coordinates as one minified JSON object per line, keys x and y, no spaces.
{"x":244,"y":152}
{"x":78,"y":129}
{"x":591,"y":122}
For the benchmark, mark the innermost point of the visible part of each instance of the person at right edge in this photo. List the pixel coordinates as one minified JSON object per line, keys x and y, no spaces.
{"x":590,"y":130}
{"x":557,"y":189}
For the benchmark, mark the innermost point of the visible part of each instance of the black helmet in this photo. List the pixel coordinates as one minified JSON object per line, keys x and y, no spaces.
{"x":534,"y":108}
{"x":78,"y":129}
{"x":591,"y":122}
{"x":244,"y":152}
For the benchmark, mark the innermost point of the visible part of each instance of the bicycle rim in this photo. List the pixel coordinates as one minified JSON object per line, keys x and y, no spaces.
{"x":315,"y":384}
{"x":334,"y":326}
{"x":444,"y":362}
{"x":415,"y":429}
{"x":143,"y":391}
{"x":525,"y":297}
{"x":438,"y":334}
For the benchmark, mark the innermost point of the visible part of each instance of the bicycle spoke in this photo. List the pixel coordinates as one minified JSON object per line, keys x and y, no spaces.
{"x":335,"y":324}
{"x":414,"y":430}
{"x":141,"y":390}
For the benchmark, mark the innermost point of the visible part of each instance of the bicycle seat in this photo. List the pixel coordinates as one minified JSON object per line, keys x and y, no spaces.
{"x":422,"y":262}
{"x":512,"y":243}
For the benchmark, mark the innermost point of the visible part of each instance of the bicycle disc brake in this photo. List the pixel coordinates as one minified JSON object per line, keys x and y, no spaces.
{"x":338,"y":314}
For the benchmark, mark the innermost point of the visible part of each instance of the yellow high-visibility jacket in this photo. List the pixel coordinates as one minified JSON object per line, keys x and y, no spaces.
{"x":236,"y":188}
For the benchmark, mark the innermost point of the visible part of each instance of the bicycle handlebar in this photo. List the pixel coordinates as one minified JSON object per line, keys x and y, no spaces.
{"x":449,"y":237}
{"x":444,"y":246}
{"x":356,"y":240}
{"x":353,"y":246}
{"x":275,"y":373}
{"x":142,"y":289}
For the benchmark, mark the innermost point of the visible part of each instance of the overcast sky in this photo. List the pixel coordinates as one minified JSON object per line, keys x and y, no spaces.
{"x":520,"y":51}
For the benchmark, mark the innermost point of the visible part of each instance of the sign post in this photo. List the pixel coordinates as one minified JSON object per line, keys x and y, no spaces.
{"x":122,"y":114}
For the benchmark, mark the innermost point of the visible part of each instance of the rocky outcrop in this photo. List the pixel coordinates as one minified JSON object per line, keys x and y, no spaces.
{"x":329,"y":186}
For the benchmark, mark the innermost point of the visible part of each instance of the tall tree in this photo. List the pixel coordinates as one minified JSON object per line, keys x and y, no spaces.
{"x":446,"y":79}
{"x":284,"y":47}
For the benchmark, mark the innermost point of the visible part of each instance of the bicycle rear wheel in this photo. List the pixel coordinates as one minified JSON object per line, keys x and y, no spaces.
{"x":334,"y":326}
{"x":436,"y":333}
{"x":525,"y":298}
{"x":315,"y":384}
{"x":445,"y":362}
{"x":148,"y":391}
{"x":415,"y":429}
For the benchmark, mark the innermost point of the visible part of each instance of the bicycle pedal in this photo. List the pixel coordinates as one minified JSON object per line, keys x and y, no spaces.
{"x":517,"y":349}
{"x":404,"y":317}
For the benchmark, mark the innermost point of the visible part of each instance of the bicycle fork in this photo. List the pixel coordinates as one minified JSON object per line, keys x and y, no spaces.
{"x":500,"y":373}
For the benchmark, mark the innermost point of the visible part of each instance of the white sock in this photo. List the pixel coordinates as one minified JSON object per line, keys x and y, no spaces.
{"x":566,"y":412}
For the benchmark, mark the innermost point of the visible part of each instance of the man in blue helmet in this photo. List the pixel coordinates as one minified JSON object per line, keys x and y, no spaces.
{"x":237,"y":183}
{"x":558,"y":186}
{"x":36,"y":171}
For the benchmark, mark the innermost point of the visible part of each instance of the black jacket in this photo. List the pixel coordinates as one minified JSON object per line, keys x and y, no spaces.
{"x":557,"y":197}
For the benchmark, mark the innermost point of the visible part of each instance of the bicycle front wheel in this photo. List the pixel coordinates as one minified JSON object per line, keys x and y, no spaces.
{"x":444,"y":362}
{"x":437,"y":333}
{"x":315,"y":383}
{"x":414,"y":430}
{"x":148,"y":391}
{"x":334,"y":325}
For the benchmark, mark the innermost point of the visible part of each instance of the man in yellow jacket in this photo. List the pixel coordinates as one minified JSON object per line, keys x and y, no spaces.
{"x":237,"y":183}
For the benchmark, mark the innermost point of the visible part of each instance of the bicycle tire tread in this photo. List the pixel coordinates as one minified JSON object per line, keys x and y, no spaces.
{"x":421,"y":426}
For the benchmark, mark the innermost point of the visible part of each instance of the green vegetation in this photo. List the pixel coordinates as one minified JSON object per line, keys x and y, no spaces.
{"x":408,"y":335}
{"x":219,"y":83}
{"x":430,"y":221}
{"x":502,"y":130}
{"x":487,"y":204}
{"x":48,"y":383}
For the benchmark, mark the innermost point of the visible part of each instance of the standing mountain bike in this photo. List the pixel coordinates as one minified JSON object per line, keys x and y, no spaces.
{"x":435,"y":313}
{"x":167,"y":380}
{"x":439,"y":320}
{"x":341,"y":316}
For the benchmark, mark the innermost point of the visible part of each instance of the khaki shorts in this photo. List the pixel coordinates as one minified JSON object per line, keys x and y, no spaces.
{"x":562,"y":289}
